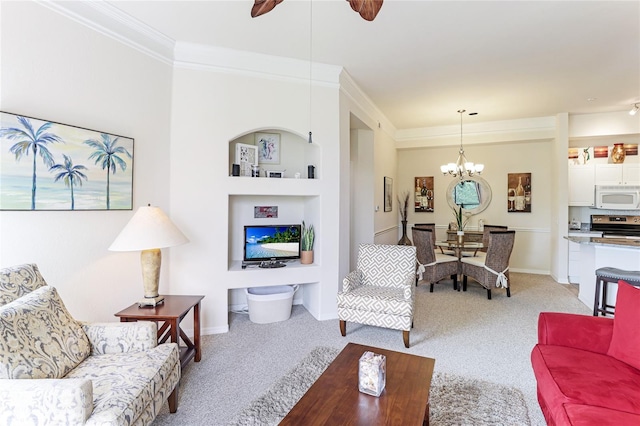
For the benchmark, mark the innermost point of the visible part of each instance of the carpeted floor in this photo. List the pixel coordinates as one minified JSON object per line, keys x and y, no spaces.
{"x":468,"y":335}
{"x":454,"y":400}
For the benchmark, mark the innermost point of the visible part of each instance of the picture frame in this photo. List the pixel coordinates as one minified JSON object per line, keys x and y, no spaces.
{"x":247,"y":158}
{"x":74,"y":168}
{"x":265,"y":212}
{"x":519,"y":192}
{"x":388,"y":194}
{"x":424,"y":194}
{"x":268,"y":147}
{"x":274,"y":173}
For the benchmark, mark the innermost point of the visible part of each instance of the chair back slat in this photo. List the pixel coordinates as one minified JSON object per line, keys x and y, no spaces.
{"x":430,"y":226}
{"x":423,"y":240}
{"x":485,"y":234}
{"x":500,"y":248}
{"x":386,"y":265}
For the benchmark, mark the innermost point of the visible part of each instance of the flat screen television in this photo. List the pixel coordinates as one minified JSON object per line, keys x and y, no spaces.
{"x":271,"y":242}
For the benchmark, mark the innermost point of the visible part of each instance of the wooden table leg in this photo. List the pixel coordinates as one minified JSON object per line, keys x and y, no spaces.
{"x":196,"y":331}
{"x":175,"y":331}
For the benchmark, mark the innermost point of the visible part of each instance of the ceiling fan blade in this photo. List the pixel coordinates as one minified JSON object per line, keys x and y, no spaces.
{"x":260,"y":7}
{"x":368,"y":9}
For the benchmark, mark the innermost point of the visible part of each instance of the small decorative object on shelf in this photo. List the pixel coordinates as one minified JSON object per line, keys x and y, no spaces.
{"x":372,"y":373}
{"x":306,"y":249}
{"x":618,"y":153}
{"x":403,"y":210}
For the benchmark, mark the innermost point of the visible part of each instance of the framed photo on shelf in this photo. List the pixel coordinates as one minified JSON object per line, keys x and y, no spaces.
{"x":388,"y":194}
{"x":246,"y":157}
{"x":268,"y":147}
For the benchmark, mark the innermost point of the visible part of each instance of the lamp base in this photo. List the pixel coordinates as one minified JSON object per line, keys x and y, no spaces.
{"x":151,"y":302}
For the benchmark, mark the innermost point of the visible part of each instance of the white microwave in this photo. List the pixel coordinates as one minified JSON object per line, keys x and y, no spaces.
{"x":618,"y":197}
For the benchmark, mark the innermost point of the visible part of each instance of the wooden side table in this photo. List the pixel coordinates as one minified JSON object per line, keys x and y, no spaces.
{"x":171,"y":313}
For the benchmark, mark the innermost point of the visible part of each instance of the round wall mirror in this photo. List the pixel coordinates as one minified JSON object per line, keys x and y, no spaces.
{"x":472,"y":193}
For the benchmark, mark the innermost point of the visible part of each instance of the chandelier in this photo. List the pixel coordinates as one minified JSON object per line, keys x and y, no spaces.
{"x":462,"y":166}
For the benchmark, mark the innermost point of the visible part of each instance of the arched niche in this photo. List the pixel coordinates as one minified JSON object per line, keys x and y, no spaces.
{"x":472,"y":193}
{"x":294,"y":153}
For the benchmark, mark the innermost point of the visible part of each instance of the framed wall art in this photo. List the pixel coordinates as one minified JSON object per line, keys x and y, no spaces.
{"x":46,"y":165}
{"x":247,"y":158}
{"x":519,"y":192}
{"x":268,"y":147}
{"x":388,"y":194}
{"x":423,"y":195}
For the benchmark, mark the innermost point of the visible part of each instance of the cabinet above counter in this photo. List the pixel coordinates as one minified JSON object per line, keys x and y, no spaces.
{"x":584,"y":177}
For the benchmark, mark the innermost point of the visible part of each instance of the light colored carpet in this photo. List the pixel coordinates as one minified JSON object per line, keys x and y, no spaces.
{"x":468,"y":335}
{"x":454,"y":400}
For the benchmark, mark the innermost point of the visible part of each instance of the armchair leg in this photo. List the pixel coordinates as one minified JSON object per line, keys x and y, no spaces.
{"x":464,"y":283}
{"x":489,"y":294}
{"x":508,"y":291}
{"x":343,"y":328}
{"x":405,"y":338}
{"x":173,"y":399}
{"x":431,"y":288}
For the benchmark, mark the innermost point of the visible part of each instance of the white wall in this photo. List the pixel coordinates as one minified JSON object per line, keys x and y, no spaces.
{"x":57,"y":69}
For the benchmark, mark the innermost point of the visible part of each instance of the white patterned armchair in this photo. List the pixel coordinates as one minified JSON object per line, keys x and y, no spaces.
{"x":380,"y":291}
{"x":55,"y":370}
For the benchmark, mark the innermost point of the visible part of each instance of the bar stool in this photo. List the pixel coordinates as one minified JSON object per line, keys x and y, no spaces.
{"x":607,"y":275}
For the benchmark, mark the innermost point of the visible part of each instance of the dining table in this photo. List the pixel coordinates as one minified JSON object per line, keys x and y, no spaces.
{"x":459,"y":249}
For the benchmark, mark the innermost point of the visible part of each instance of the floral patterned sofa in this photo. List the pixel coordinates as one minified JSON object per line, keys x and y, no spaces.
{"x":76,"y":373}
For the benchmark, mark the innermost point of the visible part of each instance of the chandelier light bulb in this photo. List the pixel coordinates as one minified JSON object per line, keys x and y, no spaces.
{"x":634,"y":110}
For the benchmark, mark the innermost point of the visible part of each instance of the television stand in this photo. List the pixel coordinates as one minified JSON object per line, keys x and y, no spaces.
{"x":272,"y":264}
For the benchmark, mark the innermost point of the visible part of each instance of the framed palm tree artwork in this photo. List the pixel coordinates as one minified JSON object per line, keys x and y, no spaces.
{"x":46,"y":165}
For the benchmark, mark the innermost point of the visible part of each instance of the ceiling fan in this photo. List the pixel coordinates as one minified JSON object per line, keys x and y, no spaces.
{"x":368,"y":9}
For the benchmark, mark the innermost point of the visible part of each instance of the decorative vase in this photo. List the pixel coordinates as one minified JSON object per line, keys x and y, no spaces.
{"x":306,"y":257}
{"x":618,"y":153}
{"x":460,"y":237}
{"x":404,"y":241}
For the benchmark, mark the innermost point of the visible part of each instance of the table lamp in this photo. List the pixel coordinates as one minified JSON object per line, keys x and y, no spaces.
{"x":149,"y":230}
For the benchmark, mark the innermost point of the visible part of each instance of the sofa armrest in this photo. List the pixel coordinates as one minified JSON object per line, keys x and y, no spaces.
{"x":351,"y":281}
{"x":45,"y":401}
{"x":575,"y":331}
{"x":121,"y":337}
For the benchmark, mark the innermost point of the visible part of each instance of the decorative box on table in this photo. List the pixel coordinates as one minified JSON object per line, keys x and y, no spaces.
{"x":372,"y":373}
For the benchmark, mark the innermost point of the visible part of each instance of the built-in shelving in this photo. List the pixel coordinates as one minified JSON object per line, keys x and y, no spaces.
{"x":296,"y":199}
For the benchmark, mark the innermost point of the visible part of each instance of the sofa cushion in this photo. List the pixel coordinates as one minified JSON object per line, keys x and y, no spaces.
{"x":589,"y":415}
{"x":16,"y":281}
{"x":39,"y":339}
{"x":124,"y":384}
{"x":625,"y":341}
{"x":575,"y":376}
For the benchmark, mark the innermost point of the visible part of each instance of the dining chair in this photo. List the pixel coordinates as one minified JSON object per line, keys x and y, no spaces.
{"x":431,"y":226}
{"x":491,"y":270}
{"x":485,"y":234}
{"x":380,"y":291}
{"x":431,"y":266}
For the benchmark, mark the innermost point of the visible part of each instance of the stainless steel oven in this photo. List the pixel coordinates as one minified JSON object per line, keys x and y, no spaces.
{"x":616,"y":226}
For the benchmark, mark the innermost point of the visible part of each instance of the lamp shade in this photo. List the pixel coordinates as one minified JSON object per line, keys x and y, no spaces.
{"x":149,"y":228}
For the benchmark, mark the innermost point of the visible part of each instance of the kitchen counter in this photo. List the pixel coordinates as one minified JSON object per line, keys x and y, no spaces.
{"x":598,"y":252}
{"x":632,"y":243}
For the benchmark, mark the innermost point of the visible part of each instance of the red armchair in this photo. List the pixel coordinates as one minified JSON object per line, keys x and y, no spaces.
{"x":588,"y":368}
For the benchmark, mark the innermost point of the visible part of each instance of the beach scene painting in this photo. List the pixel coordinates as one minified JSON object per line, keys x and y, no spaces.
{"x":46,"y":165}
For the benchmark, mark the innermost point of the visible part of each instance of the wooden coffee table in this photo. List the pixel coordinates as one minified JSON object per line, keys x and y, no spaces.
{"x":334,"y":399}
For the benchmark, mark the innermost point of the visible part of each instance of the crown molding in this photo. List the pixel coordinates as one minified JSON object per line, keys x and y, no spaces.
{"x":220,"y":59}
{"x":110,"y":21}
{"x":529,"y":129}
